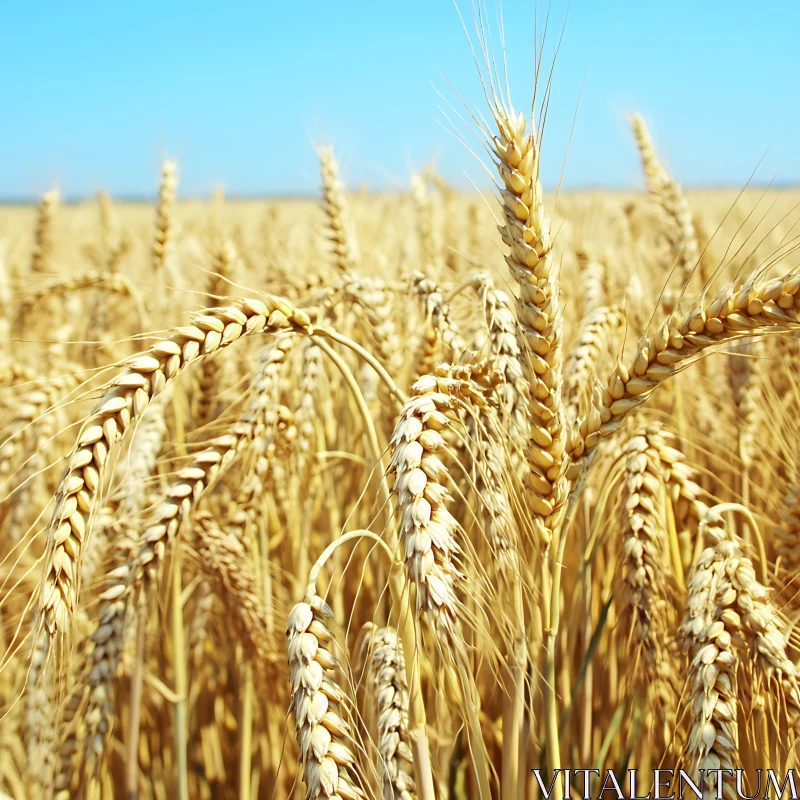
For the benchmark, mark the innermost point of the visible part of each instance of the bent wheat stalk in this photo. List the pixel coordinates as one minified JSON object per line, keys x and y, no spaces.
{"x":124,"y":400}
{"x":737,"y":311}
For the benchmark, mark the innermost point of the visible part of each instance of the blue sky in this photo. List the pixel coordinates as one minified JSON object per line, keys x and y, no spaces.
{"x":93,"y":95}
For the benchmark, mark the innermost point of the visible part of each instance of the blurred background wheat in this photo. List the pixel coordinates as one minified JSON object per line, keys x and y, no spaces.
{"x":381,"y":494}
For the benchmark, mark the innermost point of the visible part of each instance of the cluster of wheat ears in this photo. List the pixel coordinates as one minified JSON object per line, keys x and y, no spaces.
{"x":412,"y":524}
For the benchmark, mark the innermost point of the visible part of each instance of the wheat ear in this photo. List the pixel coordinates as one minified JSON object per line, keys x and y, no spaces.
{"x":430,"y":248}
{"x":761,"y":619}
{"x":137,"y":563}
{"x":427,"y":529}
{"x":226,"y":561}
{"x":594,"y":273}
{"x":43,"y":236}
{"x":726,"y":604}
{"x":597,"y":335}
{"x":709,"y":629}
{"x":511,"y":396}
{"x":164,"y":207}
{"x":737,"y":311}
{"x":224,"y":260}
{"x":526,"y":231}
{"x":645,"y":559}
{"x":341,"y":234}
{"x":386,"y":678}
{"x":39,"y":707}
{"x":124,"y":400}
{"x":439,"y":324}
{"x":330,"y":767}
{"x":668,"y":193}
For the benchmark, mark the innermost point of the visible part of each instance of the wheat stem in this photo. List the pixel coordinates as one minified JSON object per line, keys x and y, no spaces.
{"x":181,"y":678}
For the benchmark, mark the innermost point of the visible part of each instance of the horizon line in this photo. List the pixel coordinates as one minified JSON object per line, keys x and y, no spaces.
{"x":148,"y":199}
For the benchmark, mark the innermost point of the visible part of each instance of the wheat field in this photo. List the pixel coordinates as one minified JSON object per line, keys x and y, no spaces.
{"x":412,"y":495}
